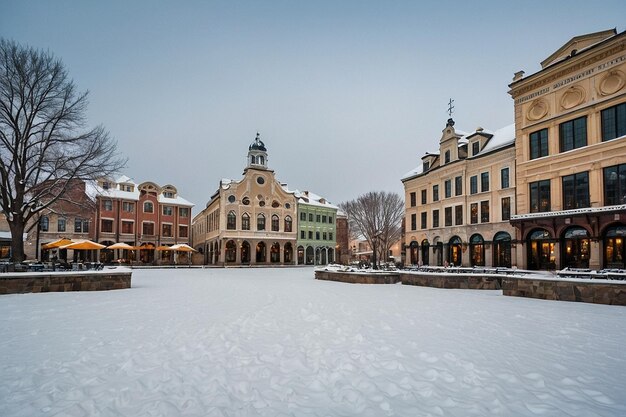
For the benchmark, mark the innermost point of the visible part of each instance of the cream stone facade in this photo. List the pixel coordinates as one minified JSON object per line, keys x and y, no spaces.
{"x":459,"y":201}
{"x":251,"y":221}
{"x":570,"y":120}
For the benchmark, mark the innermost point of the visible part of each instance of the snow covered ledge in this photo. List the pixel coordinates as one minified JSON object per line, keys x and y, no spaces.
{"x":598,"y":291}
{"x":26,"y":282}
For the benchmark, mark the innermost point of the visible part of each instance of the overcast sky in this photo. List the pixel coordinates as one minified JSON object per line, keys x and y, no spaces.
{"x":347,"y":95}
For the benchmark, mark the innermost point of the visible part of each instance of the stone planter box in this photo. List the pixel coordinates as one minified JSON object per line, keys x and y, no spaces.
{"x":359,"y":277}
{"x":582,"y":290}
{"x":64,"y":281}
{"x":453,"y":280}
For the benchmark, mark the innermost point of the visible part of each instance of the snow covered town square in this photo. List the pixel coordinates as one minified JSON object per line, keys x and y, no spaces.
{"x":277,"y":342}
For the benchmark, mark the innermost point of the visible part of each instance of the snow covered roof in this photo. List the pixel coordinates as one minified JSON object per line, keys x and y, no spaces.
{"x":501,"y":138}
{"x":415,"y":171}
{"x":174,"y":201}
{"x":307,"y":197}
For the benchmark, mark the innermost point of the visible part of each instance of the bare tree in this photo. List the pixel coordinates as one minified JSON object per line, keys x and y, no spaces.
{"x":44,"y":142}
{"x":377,"y":216}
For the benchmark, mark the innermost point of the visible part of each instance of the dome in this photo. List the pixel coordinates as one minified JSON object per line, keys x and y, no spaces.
{"x":257,"y":145}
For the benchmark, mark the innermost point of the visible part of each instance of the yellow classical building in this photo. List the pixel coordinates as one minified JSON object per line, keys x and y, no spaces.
{"x":459,"y":200}
{"x":570,"y":120}
{"x":250,"y":221}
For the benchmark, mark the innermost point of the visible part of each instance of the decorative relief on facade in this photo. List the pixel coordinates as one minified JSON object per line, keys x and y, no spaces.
{"x":537,"y":110}
{"x":573,"y":97}
{"x":611,"y":83}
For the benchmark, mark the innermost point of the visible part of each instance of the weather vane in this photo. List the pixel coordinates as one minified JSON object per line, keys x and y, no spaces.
{"x":450,"y":107}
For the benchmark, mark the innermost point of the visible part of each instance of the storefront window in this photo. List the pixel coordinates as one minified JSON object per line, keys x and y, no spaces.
{"x":575,"y":248}
{"x":614,"y":249}
{"x":477,"y":250}
{"x":502,"y":250}
{"x":455,"y":251}
{"x":541,"y":254}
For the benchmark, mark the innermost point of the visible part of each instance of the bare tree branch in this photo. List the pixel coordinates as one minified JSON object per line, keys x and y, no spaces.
{"x":44,"y":145}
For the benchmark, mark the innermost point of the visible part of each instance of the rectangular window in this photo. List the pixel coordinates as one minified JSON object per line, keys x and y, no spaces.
{"x":302,"y":234}
{"x":413,"y":221}
{"x":303,"y":216}
{"x":614,"y":122}
{"x":458,"y":185}
{"x":85,"y":226}
{"x":423,"y":196}
{"x":107,"y":205}
{"x":324,"y":236}
{"x":128,"y":227}
{"x":310,"y":234}
{"x":424,"y":220}
{"x":448,"y":186}
{"x":436,"y":192}
{"x":107,"y":226}
{"x":474,"y":213}
{"x":484,"y":182}
{"x":128,"y":207}
{"x":183,"y":231}
{"x":317,"y":235}
{"x":573,"y":134}
{"x":615,"y":185}
{"x":318,"y":218}
{"x":167,"y":230}
{"x":576,"y":191}
{"x":323,"y":219}
{"x":310,"y":217}
{"x":474,"y":184}
{"x":458,"y":215}
{"x":330,"y":219}
{"x":448,"y":216}
{"x":504,"y":178}
{"x":539,"y":144}
{"x":44,"y":223}
{"x":475,"y":148}
{"x":183,"y":211}
{"x":61,"y":225}
{"x":330,"y":235}
{"x":167,"y":210}
{"x":413,"y":200}
{"x":484,"y":211}
{"x":539,"y":196}
{"x":506,"y":208}
{"x":435,"y":218}
{"x":148,"y":228}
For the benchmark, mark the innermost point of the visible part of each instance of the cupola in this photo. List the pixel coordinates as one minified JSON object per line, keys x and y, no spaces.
{"x":257,"y":154}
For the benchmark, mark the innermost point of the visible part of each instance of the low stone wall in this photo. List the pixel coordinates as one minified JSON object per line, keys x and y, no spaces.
{"x":359,"y":277}
{"x":64,"y":281}
{"x":450,"y":280}
{"x":586,"y":291}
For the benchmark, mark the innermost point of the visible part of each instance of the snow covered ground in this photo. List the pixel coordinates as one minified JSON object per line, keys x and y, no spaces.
{"x":276,"y":342}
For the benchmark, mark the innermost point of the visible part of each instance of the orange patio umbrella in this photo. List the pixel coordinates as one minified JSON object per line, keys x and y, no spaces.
{"x":83,"y":245}
{"x":57,"y":243}
{"x":164,"y":248}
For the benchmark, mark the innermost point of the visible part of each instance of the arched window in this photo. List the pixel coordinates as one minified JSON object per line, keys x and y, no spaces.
{"x":288,"y":253}
{"x":477,"y":250}
{"x":275,"y":253}
{"x":148,"y":207}
{"x":540,"y":250}
{"x":575,"y":248}
{"x":300,"y":255}
{"x":310,"y":255}
{"x":245,"y":252}
{"x":413,"y":250}
{"x":614,"y":248}
{"x":425,"y":255}
{"x":245,"y":221}
{"x":455,"y":251}
{"x":502,"y":250}
{"x":231,"y":251}
{"x":275,"y":223}
{"x":261,"y":160}
{"x":260,"y":252}
{"x":260,"y":222}
{"x":231,"y":221}
{"x":288,"y":223}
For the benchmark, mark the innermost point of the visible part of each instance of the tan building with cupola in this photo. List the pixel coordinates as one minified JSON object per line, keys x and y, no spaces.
{"x":251,"y":221}
{"x":459,"y":200}
{"x":570,"y":120}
